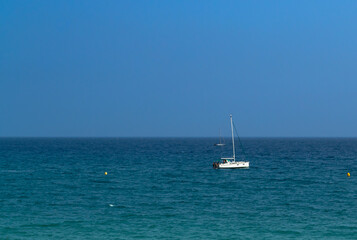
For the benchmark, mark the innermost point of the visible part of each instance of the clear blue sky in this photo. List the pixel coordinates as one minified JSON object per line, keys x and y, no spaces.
{"x":178,"y":68}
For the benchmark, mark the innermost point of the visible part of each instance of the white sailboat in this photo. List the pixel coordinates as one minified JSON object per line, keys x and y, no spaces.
{"x":230,"y":162}
{"x":220,"y":144}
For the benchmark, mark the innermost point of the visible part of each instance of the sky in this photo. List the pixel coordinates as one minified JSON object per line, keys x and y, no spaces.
{"x":178,"y":68}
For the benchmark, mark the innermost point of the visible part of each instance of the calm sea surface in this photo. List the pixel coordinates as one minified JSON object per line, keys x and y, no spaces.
{"x":161,"y":188}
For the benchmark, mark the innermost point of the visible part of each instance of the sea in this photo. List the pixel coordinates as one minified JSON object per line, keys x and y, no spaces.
{"x":166,"y":188}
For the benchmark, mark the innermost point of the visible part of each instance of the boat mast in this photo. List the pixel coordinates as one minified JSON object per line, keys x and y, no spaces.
{"x":219,"y":136}
{"x":234,"y":154}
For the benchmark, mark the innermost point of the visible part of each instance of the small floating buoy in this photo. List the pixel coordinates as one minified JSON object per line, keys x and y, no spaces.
{"x":348,"y":174}
{"x":106,"y":173}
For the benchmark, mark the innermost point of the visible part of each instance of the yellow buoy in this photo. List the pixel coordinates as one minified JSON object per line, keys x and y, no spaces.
{"x":106,"y":173}
{"x":348,"y":174}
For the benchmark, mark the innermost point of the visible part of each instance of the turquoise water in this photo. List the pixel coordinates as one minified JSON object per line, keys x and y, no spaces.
{"x":167,"y":189}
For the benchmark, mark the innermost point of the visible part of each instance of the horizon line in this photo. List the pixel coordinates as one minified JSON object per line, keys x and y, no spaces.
{"x":176,"y":137}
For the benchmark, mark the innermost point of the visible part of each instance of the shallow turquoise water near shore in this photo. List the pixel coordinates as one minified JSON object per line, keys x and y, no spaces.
{"x":165,"y":188}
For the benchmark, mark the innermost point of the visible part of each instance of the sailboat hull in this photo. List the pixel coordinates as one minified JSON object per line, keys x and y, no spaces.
{"x":219,"y":144}
{"x":230,"y":165}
